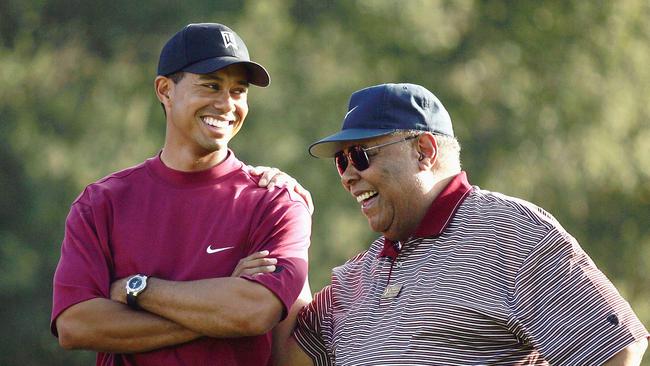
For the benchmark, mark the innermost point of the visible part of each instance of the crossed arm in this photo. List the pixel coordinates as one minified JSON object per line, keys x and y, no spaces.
{"x":127,"y":331}
{"x":122,"y":330}
{"x":176,"y":312}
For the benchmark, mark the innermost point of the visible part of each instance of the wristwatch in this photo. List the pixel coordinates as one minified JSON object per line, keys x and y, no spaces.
{"x":134,"y":286}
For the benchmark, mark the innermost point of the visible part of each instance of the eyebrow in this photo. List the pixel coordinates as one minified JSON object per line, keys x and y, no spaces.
{"x":213,"y":77}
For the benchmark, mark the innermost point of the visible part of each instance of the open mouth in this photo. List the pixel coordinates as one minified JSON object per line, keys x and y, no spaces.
{"x":217,"y":123}
{"x":365,"y":196}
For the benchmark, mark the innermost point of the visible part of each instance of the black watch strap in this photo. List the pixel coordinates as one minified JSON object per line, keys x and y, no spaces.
{"x":132,"y":301}
{"x":134,"y":286}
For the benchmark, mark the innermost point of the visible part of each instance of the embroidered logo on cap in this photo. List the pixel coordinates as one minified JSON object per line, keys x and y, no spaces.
{"x":229,"y":39}
{"x":350,"y":111}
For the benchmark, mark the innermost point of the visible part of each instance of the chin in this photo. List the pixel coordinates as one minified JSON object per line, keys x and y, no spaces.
{"x":375,"y":228}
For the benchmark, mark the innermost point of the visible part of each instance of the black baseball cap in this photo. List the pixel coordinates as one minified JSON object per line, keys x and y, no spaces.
{"x":207,"y":47}
{"x":383,"y":109}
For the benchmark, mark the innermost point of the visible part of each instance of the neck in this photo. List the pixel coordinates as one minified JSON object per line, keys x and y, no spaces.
{"x":186,"y":160}
{"x":430,"y":187}
{"x":439,"y":183}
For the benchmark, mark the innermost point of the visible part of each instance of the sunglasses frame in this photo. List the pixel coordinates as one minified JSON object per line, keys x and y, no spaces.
{"x":362,"y":153}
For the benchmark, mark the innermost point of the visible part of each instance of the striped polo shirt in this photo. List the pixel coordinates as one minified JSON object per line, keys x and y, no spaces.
{"x":486,"y":279}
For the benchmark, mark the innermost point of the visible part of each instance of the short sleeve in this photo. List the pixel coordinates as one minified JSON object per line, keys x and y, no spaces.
{"x":83,"y":271}
{"x":567,"y":309}
{"x":284,"y":230}
{"x":313,"y":329}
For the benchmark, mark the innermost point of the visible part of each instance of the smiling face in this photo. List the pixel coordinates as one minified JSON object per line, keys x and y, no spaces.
{"x":388,"y":191}
{"x":204,"y":111}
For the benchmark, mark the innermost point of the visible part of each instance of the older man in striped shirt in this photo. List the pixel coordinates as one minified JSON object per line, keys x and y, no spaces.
{"x":460,"y":275}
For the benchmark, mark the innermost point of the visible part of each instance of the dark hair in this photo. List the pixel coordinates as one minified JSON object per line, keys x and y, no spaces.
{"x":176,"y":78}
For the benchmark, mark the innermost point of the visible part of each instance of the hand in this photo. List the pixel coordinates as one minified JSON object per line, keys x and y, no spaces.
{"x":255,"y":264}
{"x":118,"y":290}
{"x":272,"y":177}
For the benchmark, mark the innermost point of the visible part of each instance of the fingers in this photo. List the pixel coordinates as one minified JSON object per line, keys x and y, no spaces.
{"x":275,"y":177}
{"x":257,"y":170}
{"x":284,"y":180}
{"x":272,"y":177}
{"x":255,"y":264}
{"x":302,"y":192}
{"x":263,"y":171}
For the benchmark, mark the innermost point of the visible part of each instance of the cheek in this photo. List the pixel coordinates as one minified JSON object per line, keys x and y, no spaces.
{"x":393,"y":185}
{"x":242,"y":109}
{"x":187,"y":106}
{"x":390,"y":178}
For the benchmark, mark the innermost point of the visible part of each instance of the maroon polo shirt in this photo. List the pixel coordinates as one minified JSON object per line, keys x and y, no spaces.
{"x":486,"y":279}
{"x":182,"y":226}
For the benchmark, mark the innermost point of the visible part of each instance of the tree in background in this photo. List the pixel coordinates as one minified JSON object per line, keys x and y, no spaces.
{"x":549,"y":100}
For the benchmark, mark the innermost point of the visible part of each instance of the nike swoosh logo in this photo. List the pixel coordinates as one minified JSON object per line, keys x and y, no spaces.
{"x":217,"y":250}
{"x":350,"y":111}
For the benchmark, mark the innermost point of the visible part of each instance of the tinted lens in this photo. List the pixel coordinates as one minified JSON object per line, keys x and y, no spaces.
{"x":341,"y":162}
{"x":359,"y":158}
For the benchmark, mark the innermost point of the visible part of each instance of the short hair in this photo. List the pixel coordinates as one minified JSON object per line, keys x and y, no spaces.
{"x":448,"y":160}
{"x":176,"y":78}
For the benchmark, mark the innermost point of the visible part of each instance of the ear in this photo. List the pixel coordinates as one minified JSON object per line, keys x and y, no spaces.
{"x":427,"y":149}
{"x":163,"y":86}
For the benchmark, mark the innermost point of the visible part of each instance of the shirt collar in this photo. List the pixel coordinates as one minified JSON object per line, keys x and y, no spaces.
{"x":196,"y":178}
{"x":438,"y":216}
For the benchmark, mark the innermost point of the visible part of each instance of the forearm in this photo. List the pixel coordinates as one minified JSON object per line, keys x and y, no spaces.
{"x":630,"y":356}
{"x":218,"y":307}
{"x":107,"y":326}
{"x":285,"y":349}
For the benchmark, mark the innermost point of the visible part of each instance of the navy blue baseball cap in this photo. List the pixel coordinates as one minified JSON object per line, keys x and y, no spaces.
{"x":383,"y":109}
{"x":207,"y":47}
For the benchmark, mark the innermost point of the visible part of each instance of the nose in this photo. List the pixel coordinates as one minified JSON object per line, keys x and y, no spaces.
{"x":349,"y":176}
{"x":224,"y":102}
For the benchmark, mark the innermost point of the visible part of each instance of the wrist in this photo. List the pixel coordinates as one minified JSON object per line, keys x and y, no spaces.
{"x":135,"y":286}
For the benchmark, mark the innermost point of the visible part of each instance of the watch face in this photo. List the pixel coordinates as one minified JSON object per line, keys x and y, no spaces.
{"x":135,"y":283}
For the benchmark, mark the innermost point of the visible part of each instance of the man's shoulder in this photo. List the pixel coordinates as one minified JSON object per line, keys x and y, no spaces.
{"x":503,"y":222}
{"x":111,"y":183}
{"x":500,"y":208}
{"x":278,"y":196}
{"x":122,"y":174}
{"x":362,"y":259}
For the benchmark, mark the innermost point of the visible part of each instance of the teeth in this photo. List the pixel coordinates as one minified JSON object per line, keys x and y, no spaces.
{"x":215,"y":122}
{"x":365,"y":196}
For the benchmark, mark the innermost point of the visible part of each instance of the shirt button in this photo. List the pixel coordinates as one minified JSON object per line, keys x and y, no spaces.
{"x":399,"y":264}
{"x":613,"y":319}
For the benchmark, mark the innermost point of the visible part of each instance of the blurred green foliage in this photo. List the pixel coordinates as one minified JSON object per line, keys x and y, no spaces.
{"x":550,"y":101}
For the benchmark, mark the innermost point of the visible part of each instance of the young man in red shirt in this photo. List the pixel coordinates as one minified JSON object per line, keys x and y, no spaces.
{"x":144,"y":274}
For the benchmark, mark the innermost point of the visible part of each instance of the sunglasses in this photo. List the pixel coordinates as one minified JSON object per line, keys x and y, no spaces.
{"x":358,"y":156}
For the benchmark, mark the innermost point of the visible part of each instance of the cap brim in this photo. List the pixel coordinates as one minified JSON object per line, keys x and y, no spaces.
{"x":327,"y":147}
{"x":257,"y":73}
